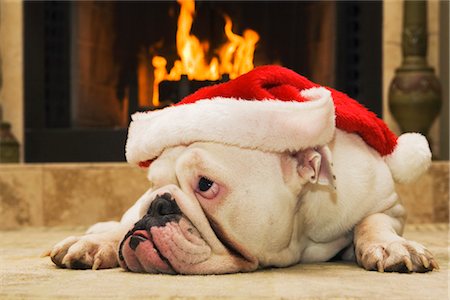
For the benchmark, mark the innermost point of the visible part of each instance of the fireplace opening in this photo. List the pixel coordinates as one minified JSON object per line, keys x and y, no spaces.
{"x":90,"y":64}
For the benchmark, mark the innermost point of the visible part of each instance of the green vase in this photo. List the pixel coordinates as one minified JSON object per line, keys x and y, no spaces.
{"x":414,"y":93}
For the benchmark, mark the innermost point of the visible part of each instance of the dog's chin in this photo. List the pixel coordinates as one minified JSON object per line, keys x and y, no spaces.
{"x":176,"y":247}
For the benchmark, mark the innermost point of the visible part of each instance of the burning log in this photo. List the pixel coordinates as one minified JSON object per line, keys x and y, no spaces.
{"x":174,"y":91}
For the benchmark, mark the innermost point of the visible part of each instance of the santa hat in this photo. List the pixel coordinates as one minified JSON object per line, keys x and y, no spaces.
{"x":272,"y":108}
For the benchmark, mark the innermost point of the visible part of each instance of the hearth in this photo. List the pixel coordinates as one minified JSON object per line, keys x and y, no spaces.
{"x":89,"y":65}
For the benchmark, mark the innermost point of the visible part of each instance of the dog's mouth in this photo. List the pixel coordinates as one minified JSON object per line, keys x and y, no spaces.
{"x":169,"y":249}
{"x":139,"y":254}
{"x":178,"y":247}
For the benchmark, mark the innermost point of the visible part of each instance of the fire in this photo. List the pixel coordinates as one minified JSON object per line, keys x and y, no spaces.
{"x":234,"y":57}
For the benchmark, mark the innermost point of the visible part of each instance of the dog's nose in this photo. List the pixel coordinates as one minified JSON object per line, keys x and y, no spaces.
{"x":163,"y":205}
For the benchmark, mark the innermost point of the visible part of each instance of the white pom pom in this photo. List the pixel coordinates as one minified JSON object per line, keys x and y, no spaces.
{"x":410,"y":159}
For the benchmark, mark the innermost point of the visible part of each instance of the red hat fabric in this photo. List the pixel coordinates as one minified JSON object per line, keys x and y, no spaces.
{"x":272,"y":108}
{"x":279,"y":83}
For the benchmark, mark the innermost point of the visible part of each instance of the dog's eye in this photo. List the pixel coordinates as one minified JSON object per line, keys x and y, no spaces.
{"x":207,"y":188}
{"x":204,"y":184}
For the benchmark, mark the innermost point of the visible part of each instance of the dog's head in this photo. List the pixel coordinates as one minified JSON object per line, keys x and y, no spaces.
{"x":216,"y":209}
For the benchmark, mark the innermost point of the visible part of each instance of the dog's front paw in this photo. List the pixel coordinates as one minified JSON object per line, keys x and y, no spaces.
{"x":84,"y":252}
{"x":399,"y":256}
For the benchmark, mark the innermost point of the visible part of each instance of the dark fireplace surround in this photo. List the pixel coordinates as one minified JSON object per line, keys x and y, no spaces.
{"x":79,"y":92}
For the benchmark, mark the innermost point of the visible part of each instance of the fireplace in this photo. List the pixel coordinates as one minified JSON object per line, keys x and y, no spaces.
{"x":89,"y":65}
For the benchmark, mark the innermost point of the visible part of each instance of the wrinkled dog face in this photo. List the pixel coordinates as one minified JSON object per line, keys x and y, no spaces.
{"x":213,"y":209}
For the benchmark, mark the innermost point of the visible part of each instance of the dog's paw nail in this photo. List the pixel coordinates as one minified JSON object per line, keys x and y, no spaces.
{"x":46,"y":253}
{"x":66,"y":261}
{"x":425,"y":261}
{"x":434,"y":264}
{"x":54,"y":252}
{"x":380,"y":267}
{"x":408,"y":263}
{"x":96,"y":264}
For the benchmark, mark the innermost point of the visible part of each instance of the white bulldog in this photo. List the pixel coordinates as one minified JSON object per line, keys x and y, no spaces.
{"x":225,"y":201}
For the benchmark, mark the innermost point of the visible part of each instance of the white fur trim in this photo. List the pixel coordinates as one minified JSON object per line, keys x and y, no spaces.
{"x":411,"y":157}
{"x":267,"y":125}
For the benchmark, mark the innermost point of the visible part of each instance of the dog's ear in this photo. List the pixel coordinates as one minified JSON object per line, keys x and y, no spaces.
{"x":315,"y":165}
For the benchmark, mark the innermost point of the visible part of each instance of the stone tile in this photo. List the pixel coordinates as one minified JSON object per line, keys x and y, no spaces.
{"x":440,"y":173}
{"x":427,"y":200}
{"x":417,"y":199}
{"x":130,"y":184}
{"x":20,"y":196}
{"x":86,"y":194}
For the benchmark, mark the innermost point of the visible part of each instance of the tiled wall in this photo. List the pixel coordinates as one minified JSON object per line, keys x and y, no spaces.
{"x":427,"y":200}
{"x":67,"y":194}
{"x":82,"y":194}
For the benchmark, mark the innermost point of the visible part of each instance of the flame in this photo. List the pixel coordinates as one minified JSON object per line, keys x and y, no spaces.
{"x":237,"y":54}
{"x":235,"y":57}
